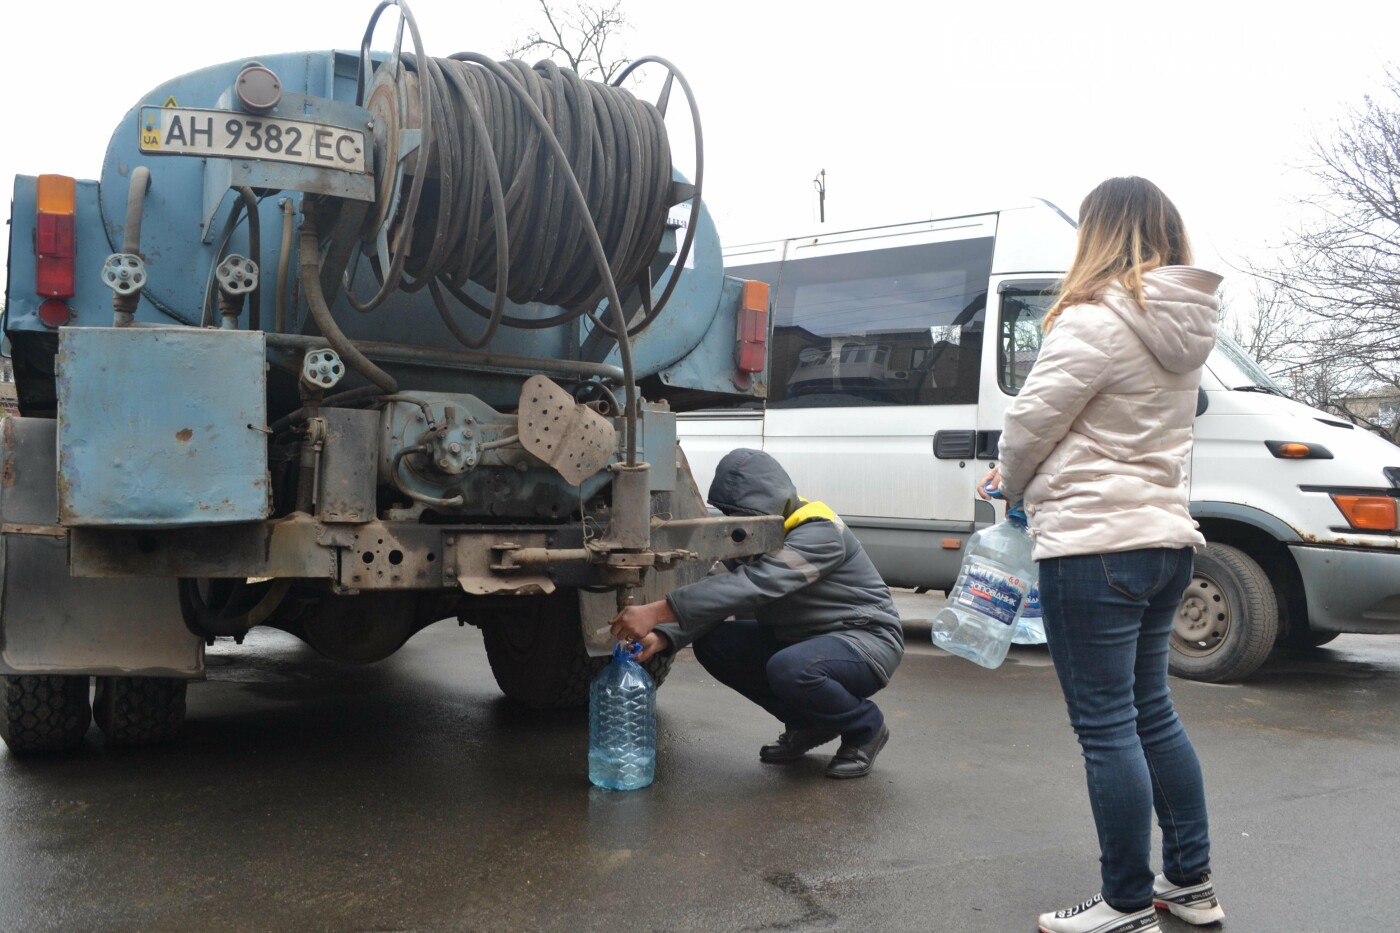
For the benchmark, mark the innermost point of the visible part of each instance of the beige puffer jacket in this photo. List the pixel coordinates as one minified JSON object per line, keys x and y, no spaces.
{"x":1099,"y":439}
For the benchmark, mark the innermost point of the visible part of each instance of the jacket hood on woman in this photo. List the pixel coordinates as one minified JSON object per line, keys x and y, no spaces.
{"x":1098,"y":441}
{"x":1179,"y":324}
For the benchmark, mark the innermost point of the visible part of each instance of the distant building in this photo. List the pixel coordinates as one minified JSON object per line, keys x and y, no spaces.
{"x":1377,"y":409}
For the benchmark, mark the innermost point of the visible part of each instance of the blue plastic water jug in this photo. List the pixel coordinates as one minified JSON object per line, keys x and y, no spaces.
{"x":622,"y":723}
{"x":979,"y":618}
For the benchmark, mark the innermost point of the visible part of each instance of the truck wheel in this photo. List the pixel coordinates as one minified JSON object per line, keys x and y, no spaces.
{"x":43,"y":712}
{"x":134,"y":711}
{"x":1227,"y":622}
{"x":539,"y":659}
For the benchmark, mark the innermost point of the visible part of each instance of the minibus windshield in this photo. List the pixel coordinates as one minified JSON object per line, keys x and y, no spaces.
{"x":1232,"y":366}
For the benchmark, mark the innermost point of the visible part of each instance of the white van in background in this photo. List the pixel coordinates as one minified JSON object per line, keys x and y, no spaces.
{"x":893,"y":355}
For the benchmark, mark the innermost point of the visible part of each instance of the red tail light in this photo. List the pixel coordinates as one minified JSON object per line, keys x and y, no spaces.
{"x":54,"y":238}
{"x":751,"y":339}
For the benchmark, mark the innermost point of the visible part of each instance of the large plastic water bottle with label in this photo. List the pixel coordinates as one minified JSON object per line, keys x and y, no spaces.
{"x":1030,"y":627}
{"x":979,"y":618}
{"x":622,"y":723}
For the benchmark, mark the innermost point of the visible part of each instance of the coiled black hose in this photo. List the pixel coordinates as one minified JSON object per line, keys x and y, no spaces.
{"x":544,"y":188}
{"x":498,"y":211}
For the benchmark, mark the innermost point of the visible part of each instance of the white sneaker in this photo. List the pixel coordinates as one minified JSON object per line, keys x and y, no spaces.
{"x":1194,"y":903}
{"x":1095,"y":916}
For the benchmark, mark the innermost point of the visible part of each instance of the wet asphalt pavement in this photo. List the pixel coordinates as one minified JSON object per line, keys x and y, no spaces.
{"x":409,"y":795}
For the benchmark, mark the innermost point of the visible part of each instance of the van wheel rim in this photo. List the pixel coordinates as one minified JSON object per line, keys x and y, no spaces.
{"x":1202,"y":620}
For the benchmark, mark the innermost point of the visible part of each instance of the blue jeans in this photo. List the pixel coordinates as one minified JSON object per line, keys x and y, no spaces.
{"x":1108,"y":620}
{"x":823,"y":682}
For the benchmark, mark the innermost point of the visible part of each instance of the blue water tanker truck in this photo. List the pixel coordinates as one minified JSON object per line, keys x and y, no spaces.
{"x":345,"y":343}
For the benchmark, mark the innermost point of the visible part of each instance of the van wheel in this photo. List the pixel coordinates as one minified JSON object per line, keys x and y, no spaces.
{"x":44,"y":712}
{"x":1227,"y":622}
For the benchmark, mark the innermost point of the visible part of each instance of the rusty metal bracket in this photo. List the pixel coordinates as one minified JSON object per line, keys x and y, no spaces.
{"x":484,"y":571}
{"x":572,"y":438}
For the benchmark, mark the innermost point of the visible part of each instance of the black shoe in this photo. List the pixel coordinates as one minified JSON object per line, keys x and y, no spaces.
{"x":853,"y":761}
{"x":794,"y":743}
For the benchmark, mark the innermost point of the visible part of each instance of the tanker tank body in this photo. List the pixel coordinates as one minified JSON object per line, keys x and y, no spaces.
{"x":345,"y":343}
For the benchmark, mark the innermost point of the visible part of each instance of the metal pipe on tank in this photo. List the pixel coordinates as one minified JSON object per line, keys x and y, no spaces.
{"x":474,"y":359}
{"x":124,"y":306}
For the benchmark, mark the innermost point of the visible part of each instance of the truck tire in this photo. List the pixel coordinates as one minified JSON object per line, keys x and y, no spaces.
{"x":1227,"y":622}
{"x":43,"y":712}
{"x":136,"y":711}
{"x":539,"y":658}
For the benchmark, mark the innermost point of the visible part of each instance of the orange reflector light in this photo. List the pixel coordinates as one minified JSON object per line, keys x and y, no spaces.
{"x":1297,"y":450}
{"x":952,"y":544}
{"x":1371,"y":513}
{"x":751,"y":330}
{"x":57,"y":194}
{"x":55,"y":244}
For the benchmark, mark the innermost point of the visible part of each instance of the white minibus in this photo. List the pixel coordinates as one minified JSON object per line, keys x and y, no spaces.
{"x":893,"y":355}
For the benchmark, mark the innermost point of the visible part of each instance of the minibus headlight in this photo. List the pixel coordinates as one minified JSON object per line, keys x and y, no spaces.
{"x":1369,"y":513}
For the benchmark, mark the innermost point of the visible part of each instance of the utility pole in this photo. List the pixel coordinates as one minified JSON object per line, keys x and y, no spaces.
{"x":820,"y":184}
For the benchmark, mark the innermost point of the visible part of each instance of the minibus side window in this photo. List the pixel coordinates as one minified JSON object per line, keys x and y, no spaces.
{"x":892,"y":326}
{"x":1023,"y":307}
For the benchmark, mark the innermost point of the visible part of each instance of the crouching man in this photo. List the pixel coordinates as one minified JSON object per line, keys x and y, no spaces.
{"x":815,"y":631}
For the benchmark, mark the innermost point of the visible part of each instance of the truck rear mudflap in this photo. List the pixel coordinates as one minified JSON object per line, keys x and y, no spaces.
{"x":51,"y":622}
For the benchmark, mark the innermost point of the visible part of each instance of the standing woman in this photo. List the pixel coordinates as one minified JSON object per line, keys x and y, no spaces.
{"x":1097,"y":444}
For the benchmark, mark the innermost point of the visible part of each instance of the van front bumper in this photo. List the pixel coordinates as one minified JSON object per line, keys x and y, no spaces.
{"x":1350,"y":589}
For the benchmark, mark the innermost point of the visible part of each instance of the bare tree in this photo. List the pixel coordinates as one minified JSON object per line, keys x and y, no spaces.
{"x":580,"y":37}
{"x":1327,"y":313}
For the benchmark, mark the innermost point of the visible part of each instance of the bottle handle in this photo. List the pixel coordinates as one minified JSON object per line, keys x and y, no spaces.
{"x":1015,"y":511}
{"x":627,"y":649}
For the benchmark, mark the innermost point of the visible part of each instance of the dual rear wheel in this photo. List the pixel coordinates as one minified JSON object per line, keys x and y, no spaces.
{"x":51,"y":712}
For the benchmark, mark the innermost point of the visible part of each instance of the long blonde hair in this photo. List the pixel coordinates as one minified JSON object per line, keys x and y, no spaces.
{"x":1127,"y":227}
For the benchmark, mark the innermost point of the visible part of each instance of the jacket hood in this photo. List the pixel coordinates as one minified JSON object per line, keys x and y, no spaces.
{"x":750,"y":482}
{"x":1178,"y":323}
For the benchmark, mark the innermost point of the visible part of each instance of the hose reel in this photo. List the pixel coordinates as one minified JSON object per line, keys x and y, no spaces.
{"x":532,"y":183}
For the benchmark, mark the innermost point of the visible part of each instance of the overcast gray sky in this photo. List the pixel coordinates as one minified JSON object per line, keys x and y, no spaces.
{"x":912,"y":109}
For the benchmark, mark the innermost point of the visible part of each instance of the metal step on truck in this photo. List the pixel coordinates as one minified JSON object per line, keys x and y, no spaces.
{"x":345,"y":343}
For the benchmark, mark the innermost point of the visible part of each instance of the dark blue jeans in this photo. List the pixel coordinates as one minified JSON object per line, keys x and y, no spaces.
{"x":823,"y":682}
{"x":1108,"y":620}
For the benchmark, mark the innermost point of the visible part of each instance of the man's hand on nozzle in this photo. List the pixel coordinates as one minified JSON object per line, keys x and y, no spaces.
{"x":653,"y":643}
{"x":636,"y":622}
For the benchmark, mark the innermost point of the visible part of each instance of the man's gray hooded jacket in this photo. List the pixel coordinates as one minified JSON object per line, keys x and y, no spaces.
{"x":820,"y":582}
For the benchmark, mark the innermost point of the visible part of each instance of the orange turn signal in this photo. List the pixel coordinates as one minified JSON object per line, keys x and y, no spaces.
{"x":1297,"y":450}
{"x":1370,"y":513}
{"x":56,"y":194}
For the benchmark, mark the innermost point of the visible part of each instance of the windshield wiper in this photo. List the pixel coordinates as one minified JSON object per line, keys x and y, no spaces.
{"x":1267,"y":390}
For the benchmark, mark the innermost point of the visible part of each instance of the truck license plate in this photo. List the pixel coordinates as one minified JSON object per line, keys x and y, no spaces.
{"x":233,"y":135}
